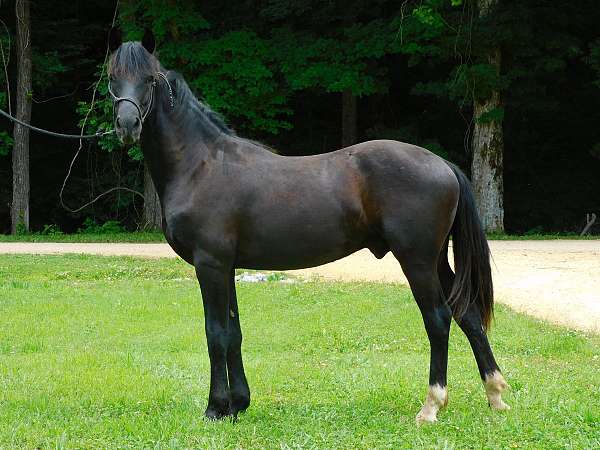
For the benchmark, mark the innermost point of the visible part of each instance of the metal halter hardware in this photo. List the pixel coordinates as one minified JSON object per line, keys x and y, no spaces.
{"x":142,"y":116}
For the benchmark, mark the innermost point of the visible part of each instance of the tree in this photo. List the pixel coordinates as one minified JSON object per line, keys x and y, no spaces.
{"x":488,"y":141}
{"x":20,"y":199}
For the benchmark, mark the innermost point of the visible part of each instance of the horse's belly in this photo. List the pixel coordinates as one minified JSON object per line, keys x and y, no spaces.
{"x":295,"y":250}
{"x":288,"y":260}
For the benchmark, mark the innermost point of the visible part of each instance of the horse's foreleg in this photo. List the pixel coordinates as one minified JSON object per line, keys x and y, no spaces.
{"x":240,"y":392}
{"x":215,"y":285}
{"x":470,"y":324}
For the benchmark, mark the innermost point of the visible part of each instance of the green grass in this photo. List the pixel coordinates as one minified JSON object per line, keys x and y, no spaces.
{"x":110,"y":353}
{"x":138,"y":236}
{"x":541,"y":237}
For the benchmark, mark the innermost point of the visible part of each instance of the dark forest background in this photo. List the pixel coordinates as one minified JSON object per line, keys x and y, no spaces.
{"x":278,"y":70}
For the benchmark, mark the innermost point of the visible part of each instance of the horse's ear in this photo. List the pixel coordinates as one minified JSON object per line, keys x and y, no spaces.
{"x":115,"y":39}
{"x":148,"y":40}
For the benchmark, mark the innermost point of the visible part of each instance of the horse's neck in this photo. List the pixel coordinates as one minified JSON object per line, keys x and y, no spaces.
{"x":172,"y":146}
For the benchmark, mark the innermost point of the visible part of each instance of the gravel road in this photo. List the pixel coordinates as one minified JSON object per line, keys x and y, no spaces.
{"x":558,"y":281}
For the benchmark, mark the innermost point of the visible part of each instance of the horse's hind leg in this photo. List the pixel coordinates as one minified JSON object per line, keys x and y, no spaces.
{"x":470,"y":324}
{"x":421,"y":272}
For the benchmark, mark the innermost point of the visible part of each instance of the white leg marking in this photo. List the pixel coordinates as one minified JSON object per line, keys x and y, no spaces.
{"x":494,"y":386}
{"x":437,"y":398}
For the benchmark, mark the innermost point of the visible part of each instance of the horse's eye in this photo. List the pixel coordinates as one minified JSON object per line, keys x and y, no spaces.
{"x":149,"y":79}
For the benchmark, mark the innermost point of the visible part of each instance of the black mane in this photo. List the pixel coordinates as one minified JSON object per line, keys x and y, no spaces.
{"x":184,"y":96}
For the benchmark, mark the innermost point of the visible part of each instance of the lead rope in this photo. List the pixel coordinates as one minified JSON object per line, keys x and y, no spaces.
{"x":98,"y":134}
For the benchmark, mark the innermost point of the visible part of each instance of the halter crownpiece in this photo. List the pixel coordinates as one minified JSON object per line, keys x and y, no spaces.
{"x":142,"y":116}
{"x":171,"y":98}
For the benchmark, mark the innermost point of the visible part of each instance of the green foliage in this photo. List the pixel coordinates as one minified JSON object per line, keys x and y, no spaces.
{"x":51,"y":230}
{"x":235,"y":74}
{"x":428,"y":16}
{"x":100,"y":116}
{"x":109,"y":227}
{"x":6,"y":140}
{"x":6,"y":143}
{"x":47,"y":66}
{"x":535,"y":231}
{"x":330,"y":64}
{"x":21,"y":228}
{"x":167,"y":19}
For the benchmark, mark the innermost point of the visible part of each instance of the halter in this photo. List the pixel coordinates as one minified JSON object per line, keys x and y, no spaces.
{"x":142,"y":116}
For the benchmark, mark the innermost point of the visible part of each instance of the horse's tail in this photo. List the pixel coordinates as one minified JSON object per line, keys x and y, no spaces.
{"x":473,"y":281}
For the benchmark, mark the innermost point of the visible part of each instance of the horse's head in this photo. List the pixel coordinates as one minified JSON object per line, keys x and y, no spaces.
{"x":132,"y":71}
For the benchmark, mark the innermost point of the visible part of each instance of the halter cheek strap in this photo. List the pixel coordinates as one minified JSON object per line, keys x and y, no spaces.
{"x":142,"y":116}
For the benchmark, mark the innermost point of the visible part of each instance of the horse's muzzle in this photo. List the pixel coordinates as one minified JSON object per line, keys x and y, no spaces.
{"x":128,"y":129}
{"x":128,"y":123}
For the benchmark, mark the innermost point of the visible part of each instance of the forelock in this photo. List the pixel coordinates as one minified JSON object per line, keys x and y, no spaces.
{"x":131,"y":60}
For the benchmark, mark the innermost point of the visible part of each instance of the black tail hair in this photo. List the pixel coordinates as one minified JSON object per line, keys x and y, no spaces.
{"x":473,"y":281}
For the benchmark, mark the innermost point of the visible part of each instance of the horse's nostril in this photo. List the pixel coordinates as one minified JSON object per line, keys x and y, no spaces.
{"x":119,"y":121}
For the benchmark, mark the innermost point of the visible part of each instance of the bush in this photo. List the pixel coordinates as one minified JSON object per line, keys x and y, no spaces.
{"x":51,"y":230}
{"x":109,"y":227}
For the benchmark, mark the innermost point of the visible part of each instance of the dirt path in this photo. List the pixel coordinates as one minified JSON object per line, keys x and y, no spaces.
{"x":557,"y":281}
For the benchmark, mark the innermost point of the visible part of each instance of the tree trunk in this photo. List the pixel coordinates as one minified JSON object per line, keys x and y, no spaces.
{"x":488,"y":147}
{"x":152,"y":209}
{"x":20,"y":200}
{"x":348,"y":118}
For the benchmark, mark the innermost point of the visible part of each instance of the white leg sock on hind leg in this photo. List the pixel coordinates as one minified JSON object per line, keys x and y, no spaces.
{"x":494,"y":386}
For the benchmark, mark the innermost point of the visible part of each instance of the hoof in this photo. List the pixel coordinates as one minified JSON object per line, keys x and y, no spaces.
{"x":425,"y":418}
{"x":437,"y":398}
{"x":214,"y":414}
{"x":494,"y":386}
{"x":500,"y":406}
{"x":239,"y":404}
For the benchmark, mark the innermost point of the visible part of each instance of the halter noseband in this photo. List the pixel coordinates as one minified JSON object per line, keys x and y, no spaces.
{"x":142,"y":116}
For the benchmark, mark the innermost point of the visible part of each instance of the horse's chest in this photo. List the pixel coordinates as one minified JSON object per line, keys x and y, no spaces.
{"x":188,"y":230}
{"x":179,"y":234}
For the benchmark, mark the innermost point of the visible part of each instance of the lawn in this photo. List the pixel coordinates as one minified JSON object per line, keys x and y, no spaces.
{"x":99,"y":352}
{"x":138,"y":236}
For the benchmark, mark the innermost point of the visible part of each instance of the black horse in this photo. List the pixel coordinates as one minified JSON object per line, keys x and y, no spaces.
{"x":228,"y":202}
